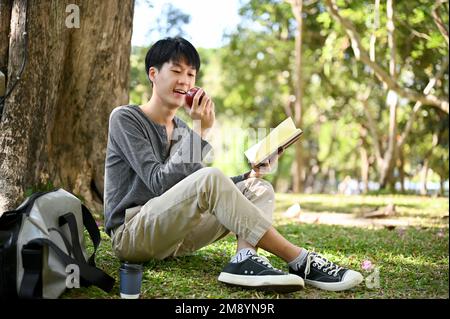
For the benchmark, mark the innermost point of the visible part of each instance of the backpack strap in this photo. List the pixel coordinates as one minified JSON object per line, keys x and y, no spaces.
{"x":90,"y":225}
{"x":94,"y":233}
{"x":69,"y":218}
{"x":31,"y":286}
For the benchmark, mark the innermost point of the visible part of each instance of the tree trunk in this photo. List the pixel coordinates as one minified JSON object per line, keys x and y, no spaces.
{"x":401,"y":169}
{"x":441,"y":186}
{"x":325,"y":179}
{"x":389,"y":160}
{"x":332,"y":181}
{"x":298,"y":170}
{"x":298,"y":174}
{"x":364,"y":168}
{"x":54,"y":128}
{"x":424,"y":177}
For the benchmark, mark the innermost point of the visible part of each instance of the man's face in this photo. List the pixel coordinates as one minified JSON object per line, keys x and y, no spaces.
{"x":172,"y":81}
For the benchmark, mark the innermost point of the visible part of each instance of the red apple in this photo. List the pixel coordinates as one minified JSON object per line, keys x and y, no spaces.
{"x":190,"y":95}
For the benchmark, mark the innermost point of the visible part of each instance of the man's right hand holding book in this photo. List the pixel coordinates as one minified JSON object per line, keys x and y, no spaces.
{"x":268,"y":167}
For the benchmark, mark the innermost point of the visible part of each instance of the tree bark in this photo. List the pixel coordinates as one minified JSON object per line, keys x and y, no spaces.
{"x":5,"y":19}
{"x":54,"y":128}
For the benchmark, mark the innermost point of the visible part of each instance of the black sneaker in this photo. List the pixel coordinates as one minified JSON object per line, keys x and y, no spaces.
{"x":257,"y":272}
{"x":322,"y":273}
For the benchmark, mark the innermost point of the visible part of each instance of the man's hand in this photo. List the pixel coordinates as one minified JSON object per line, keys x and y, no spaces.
{"x":203,"y":114}
{"x":267,"y":167}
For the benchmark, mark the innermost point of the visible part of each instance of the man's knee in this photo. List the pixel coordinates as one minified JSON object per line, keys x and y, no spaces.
{"x":268,"y":186}
{"x":260,"y":187}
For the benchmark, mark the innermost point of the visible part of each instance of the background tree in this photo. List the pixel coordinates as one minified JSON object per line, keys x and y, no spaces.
{"x":362,"y":54}
{"x":54,"y":126}
{"x":425,"y":52}
{"x":298,"y":175}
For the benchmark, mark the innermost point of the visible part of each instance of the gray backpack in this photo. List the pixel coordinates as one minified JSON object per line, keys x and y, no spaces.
{"x":42,"y":247}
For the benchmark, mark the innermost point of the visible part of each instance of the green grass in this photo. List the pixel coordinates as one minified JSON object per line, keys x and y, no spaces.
{"x":412,"y":262}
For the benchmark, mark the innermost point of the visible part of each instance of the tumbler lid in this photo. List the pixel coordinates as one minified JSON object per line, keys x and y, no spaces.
{"x":132,"y":267}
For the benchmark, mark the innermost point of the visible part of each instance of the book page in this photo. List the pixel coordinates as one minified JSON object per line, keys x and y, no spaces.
{"x":276,"y":138}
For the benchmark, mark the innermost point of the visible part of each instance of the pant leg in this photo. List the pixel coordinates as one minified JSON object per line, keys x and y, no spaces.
{"x":261,"y":193}
{"x":161,"y":225}
{"x":209,"y":230}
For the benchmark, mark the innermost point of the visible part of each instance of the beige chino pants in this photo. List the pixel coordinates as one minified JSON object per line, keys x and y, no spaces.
{"x":197,"y":211}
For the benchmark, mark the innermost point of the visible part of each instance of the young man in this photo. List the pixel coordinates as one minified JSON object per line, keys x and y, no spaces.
{"x":161,"y":202}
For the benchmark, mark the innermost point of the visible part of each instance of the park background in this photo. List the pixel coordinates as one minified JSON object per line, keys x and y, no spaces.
{"x":367,"y":82}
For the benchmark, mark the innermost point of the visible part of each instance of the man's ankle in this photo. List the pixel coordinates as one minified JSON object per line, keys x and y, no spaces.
{"x":299,"y":260}
{"x":243,"y":254}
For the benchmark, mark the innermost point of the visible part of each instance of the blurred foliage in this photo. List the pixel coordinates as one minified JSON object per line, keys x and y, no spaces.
{"x":140,"y":87}
{"x":171,"y":21}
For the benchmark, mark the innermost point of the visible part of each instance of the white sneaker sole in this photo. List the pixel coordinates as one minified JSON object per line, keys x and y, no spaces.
{"x":351,"y":279}
{"x":279,"y":283}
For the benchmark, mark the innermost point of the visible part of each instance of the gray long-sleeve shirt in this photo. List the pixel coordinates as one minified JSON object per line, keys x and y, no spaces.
{"x":141,"y":164}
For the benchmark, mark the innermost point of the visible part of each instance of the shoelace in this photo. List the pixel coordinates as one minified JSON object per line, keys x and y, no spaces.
{"x":322,"y":262}
{"x":263,"y":260}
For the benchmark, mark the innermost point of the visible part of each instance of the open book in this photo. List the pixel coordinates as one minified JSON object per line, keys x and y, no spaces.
{"x":280,"y":138}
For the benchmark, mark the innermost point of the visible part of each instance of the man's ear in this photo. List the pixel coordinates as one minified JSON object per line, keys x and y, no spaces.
{"x":152,"y":73}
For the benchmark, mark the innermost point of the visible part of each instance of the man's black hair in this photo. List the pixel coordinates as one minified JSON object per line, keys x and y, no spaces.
{"x":172,"y":49}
